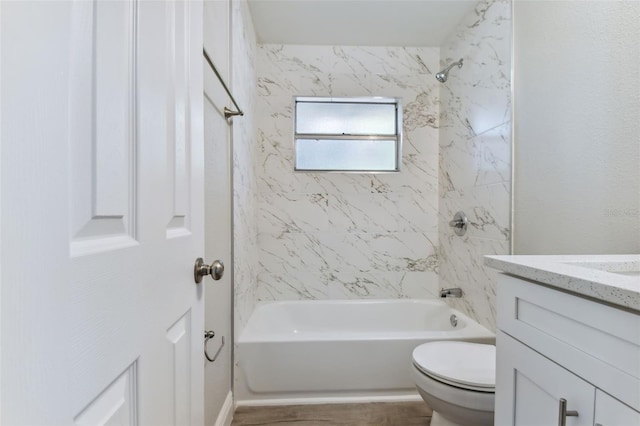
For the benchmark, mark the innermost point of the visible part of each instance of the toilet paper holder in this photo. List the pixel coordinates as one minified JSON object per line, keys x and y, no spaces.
{"x":208,"y":335}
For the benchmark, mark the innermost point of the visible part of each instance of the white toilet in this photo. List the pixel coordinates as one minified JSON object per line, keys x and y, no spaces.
{"x":457,"y":380}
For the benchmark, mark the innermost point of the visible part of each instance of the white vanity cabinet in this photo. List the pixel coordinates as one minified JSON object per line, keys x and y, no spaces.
{"x":611,"y":412}
{"x":552,"y":346}
{"x":531,"y":387}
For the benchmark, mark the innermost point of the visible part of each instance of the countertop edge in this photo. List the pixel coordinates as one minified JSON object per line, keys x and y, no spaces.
{"x":562,"y":273}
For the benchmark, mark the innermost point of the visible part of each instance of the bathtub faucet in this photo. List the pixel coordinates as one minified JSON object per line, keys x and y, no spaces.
{"x":450,"y":292}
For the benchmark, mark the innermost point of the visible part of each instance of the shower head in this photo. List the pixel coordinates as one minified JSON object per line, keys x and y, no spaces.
{"x":442,"y":75}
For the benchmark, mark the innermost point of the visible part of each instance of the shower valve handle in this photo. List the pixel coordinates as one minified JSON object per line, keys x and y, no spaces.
{"x":459,"y":223}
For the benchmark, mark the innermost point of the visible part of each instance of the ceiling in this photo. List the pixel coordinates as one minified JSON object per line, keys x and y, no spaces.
{"x":357,"y":22}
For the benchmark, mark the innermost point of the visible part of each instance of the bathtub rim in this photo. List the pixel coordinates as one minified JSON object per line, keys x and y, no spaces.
{"x":471,"y":328}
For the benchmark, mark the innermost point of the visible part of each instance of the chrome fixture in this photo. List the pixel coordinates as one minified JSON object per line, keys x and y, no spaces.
{"x":459,"y":223}
{"x":228,"y":113}
{"x":200,"y":270}
{"x":453,"y":319}
{"x":563,"y":413}
{"x":442,"y":75}
{"x":208,"y":335}
{"x":451,"y":292}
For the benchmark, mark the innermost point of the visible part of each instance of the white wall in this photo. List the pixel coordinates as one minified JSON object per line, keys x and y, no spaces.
{"x":577,"y":134}
{"x":217,"y":206}
{"x":475,"y":155}
{"x":230,"y":153}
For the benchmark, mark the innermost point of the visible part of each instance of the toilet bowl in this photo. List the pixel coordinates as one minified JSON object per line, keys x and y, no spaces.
{"x":457,"y":380}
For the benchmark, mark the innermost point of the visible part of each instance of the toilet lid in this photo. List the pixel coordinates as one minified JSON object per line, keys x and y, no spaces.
{"x":461,"y":364}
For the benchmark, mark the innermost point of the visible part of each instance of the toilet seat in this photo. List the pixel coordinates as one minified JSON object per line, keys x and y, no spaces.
{"x":464,"y":365}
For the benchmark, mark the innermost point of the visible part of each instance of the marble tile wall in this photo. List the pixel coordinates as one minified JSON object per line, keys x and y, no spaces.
{"x":245,"y":161}
{"x":337,"y":236}
{"x":475,"y":155}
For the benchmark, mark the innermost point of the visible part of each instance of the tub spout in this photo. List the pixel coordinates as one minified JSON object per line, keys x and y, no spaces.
{"x":451,"y":292}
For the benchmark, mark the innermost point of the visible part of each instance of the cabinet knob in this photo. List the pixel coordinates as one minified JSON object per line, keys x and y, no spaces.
{"x":563,"y":413}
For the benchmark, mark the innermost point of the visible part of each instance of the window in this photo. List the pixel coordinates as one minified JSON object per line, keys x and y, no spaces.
{"x":348,"y":134}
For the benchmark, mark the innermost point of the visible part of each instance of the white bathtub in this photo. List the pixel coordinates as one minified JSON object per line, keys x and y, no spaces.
{"x":332,"y":349}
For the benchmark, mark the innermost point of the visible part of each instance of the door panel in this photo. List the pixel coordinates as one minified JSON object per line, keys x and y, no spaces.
{"x":102,"y":198}
{"x":180,"y":339}
{"x":116,"y":405}
{"x":102,"y":126}
{"x":178,"y":120}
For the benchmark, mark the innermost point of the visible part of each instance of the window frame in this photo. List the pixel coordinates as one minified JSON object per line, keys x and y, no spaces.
{"x":397,"y":102}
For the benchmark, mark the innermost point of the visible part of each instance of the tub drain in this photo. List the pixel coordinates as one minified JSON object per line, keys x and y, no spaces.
{"x":453,"y":319}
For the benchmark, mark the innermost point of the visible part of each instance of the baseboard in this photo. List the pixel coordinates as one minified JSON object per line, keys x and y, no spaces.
{"x":226,"y":412}
{"x":328,"y":400}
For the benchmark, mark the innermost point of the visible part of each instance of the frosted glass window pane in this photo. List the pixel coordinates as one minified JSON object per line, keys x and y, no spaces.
{"x":345,"y":154}
{"x":339,"y":118}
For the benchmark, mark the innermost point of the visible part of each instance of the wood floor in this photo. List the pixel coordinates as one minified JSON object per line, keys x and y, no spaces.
{"x":369,"y":414}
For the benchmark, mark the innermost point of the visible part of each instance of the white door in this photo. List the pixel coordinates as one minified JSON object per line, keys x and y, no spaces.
{"x":102,"y":212}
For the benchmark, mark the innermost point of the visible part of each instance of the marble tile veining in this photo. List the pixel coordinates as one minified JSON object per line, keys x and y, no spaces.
{"x":347,"y":235}
{"x":319,"y":236}
{"x":245,"y":182}
{"x":475,"y":156}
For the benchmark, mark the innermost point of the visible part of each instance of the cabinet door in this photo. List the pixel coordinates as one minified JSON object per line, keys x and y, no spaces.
{"x":529,"y":388}
{"x":611,"y":412}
